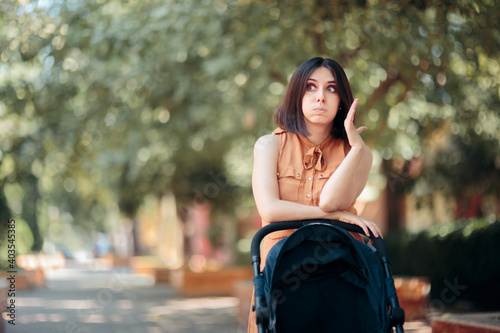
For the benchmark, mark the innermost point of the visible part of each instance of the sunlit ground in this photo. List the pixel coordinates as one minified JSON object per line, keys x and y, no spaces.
{"x":93,"y":298}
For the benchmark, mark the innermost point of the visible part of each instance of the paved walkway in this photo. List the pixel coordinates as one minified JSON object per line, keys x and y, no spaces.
{"x":80,"y":299}
{"x":84,"y":299}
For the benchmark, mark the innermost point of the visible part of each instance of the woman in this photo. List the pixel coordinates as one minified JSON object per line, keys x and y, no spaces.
{"x":315,"y":164}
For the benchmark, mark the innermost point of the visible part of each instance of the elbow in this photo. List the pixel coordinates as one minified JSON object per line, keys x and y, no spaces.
{"x":328,"y":206}
{"x":267,"y":214}
{"x":333,"y":204}
{"x":324,"y":207}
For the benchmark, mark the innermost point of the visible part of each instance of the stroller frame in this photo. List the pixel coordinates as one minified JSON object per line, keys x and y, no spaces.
{"x":396,"y":314}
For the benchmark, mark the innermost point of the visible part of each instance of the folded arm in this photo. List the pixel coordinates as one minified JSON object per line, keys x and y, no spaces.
{"x":348,"y":181}
{"x":266,"y":192}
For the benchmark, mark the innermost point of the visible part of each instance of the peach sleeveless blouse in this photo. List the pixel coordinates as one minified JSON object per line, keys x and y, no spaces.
{"x":302,"y":171}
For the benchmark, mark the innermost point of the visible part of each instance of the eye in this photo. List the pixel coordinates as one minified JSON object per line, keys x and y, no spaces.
{"x":331,"y":89}
{"x":310,"y":87}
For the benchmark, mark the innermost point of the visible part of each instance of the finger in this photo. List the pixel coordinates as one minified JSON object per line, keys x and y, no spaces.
{"x":369,"y":230}
{"x":361,"y":129}
{"x":352,"y":110}
{"x":365,"y":229}
{"x":375,"y":230}
{"x":364,"y":226}
{"x":356,"y":220}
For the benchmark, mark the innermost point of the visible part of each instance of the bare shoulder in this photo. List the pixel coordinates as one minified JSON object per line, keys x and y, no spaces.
{"x":266,"y":142}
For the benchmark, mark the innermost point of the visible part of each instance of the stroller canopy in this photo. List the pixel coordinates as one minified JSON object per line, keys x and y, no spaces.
{"x":320,"y":279}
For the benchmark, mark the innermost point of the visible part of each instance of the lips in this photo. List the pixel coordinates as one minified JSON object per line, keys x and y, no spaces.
{"x":320,"y":109}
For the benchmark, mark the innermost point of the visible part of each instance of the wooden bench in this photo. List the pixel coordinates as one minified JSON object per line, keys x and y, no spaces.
{"x":152,"y":266}
{"x":220,"y":282}
{"x":413,"y":296}
{"x":467,"y":323}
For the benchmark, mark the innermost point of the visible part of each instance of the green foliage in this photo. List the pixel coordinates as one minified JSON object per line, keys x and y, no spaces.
{"x":23,"y":242}
{"x":108,"y":101}
{"x":5,"y":215}
{"x":460,"y":254}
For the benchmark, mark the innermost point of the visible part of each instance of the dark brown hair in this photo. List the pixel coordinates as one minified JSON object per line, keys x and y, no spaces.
{"x":289,"y":115}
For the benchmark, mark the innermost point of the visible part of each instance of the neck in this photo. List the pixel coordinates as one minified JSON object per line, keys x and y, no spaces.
{"x":318,"y":134}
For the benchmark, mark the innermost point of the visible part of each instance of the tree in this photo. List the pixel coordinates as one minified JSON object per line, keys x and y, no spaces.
{"x":108,"y":101}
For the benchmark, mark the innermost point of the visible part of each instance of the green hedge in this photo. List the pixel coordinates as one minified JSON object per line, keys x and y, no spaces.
{"x":461,"y":260}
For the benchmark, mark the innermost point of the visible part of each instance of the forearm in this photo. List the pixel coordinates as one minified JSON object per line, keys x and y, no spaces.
{"x":348,"y":181}
{"x":282,"y":210}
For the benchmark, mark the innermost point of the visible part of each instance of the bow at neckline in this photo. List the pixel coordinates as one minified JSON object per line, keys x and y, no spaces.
{"x":314,"y":155}
{"x":314,"y":158}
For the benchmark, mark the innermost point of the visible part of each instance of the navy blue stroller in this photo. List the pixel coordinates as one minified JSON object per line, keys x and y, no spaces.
{"x":320,"y":279}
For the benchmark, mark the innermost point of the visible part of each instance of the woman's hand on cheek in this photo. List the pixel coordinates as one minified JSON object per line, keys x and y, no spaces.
{"x":353,"y":133}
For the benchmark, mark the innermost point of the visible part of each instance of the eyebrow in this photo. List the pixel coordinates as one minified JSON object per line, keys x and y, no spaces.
{"x":310,"y":79}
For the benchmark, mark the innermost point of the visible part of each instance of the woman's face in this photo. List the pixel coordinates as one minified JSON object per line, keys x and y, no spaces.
{"x":321,"y":100}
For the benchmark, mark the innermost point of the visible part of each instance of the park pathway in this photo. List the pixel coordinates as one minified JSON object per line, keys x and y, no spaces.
{"x":87,"y":298}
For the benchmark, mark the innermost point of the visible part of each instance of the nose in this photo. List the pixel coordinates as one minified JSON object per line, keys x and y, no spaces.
{"x":320,"y":97}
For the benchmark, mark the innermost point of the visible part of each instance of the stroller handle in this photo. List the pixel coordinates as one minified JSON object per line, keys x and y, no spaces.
{"x":277,"y":226}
